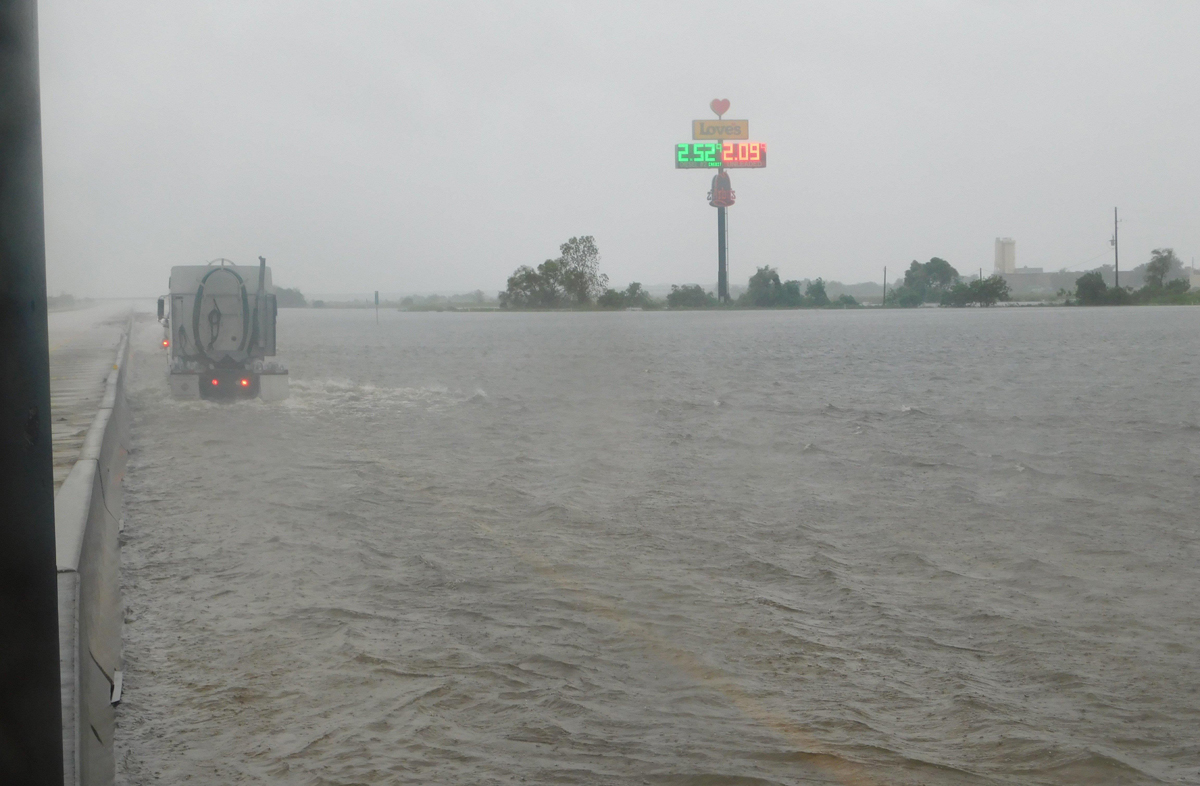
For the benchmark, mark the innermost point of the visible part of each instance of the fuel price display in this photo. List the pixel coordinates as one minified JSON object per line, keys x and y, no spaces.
{"x":698,"y":155}
{"x":714,"y":155}
{"x":743,"y":155}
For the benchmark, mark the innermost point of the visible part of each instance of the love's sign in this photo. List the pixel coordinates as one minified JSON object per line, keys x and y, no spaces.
{"x":720,"y":129}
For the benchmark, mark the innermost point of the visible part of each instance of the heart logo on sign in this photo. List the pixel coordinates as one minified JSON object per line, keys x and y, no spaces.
{"x":720,"y":106}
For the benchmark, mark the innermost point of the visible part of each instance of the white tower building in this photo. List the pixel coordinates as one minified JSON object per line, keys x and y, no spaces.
{"x":1006,"y":256}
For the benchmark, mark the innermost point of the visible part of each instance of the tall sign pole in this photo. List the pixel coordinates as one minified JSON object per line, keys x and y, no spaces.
{"x":722,"y":245}
{"x":1116,"y":253}
{"x":31,"y":732}
{"x":719,"y":108}
{"x":722,"y":262}
{"x":721,"y":148}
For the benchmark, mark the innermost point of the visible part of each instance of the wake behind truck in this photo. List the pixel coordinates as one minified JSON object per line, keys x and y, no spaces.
{"x":220,"y":328}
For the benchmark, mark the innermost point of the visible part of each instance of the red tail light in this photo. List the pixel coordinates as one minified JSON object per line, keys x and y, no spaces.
{"x":166,"y":343}
{"x":216,"y":382}
{"x":245,"y":383}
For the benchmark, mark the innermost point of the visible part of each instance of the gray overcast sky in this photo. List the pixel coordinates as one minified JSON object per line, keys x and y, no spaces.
{"x":435,"y":146}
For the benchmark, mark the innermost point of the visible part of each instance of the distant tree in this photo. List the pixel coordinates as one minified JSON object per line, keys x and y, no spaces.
{"x":1177,"y":286}
{"x":928,"y":280}
{"x":580,"y":263}
{"x":992,"y":290}
{"x":986,"y":292}
{"x":690,"y":296}
{"x":529,"y":288}
{"x":789,"y":295}
{"x":906,"y":296}
{"x":940,"y":273}
{"x":611,"y":299}
{"x":289,"y":298}
{"x":1090,"y":289}
{"x":846,"y":301}
{"x":634,"y":296}
{"x":1162,"y":264}
{"x":914,"y":277}
{"x":957,"y":295}
{"x":572,"y":278}
{"x":815,"y":294}
{"x":764,"y":287}
{"x":637,"y":297}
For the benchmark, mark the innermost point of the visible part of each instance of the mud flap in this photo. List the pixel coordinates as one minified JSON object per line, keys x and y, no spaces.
{"x":185,"y":385}
{"x":273,"y":387}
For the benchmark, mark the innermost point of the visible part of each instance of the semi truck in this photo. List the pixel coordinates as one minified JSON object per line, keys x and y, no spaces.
{"x":219,"y":330}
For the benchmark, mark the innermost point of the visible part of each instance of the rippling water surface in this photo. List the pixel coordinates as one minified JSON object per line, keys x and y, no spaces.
{"x":674,"y":548}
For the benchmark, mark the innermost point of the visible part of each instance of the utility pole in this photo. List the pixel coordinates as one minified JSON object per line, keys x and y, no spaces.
{"x":884,"y":303}
{"x":377,"y":307}
{"x":1116,"y":253}
{"x":31,"y":732}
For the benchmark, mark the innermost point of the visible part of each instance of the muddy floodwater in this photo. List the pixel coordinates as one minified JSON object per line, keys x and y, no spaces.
{"x":926,"y":547}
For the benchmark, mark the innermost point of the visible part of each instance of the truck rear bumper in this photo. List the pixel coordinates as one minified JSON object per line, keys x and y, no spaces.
{"x":229,"y":384}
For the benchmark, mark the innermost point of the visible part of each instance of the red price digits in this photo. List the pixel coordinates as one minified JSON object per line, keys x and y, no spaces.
{"x":743,"y":152}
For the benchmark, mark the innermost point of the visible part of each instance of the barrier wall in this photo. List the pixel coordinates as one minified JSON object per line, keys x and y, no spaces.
{"x":87,"y":517}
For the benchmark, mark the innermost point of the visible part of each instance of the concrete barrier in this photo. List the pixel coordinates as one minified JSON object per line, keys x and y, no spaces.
{"x":87,"y":517}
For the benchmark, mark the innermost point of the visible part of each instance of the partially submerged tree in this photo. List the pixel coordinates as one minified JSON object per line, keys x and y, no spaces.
{"x":1162,"y":265}
{"x":1090,"y":289}
{"x":634,"y":296}
{"x":1162,"y":286}
{"x":529,"y":288}
{"x":572,"y":279}
{"x":765,"y":288}
{"x":581,"y":276}
{"x":690,"y":296}
{"x":985,"y":292}
{"x":926,"y":282}
{"x":815,"y":293}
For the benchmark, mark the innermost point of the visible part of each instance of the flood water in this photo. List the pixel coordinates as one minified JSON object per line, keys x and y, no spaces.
{"x":923,"y":547}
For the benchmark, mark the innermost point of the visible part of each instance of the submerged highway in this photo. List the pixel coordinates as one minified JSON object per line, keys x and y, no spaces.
{"x":82,"y":343}
{"x":854,"y":548}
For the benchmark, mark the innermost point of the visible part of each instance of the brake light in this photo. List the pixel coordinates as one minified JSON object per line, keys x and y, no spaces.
{"x":245,"y":383}
{"x":216,"y":382}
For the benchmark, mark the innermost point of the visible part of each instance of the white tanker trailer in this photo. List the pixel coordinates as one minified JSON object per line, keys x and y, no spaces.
{"x":220,"y":328}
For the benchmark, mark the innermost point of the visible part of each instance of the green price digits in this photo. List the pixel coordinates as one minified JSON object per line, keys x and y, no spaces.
{"x":698,"y":155}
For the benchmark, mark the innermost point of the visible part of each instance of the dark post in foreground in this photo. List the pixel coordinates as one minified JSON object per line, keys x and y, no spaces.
{"x":722,"y":269}
{"x":30,"y":711}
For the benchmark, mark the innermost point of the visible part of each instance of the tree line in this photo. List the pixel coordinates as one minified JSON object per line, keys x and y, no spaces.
{"x":936,"y":281}
{"x":1162,"y":285}
{"x":574,"y":280}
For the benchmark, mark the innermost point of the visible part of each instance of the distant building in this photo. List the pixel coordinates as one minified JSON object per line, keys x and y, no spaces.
{"x":1194,"y":278}
{"x":1006,"y":256}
